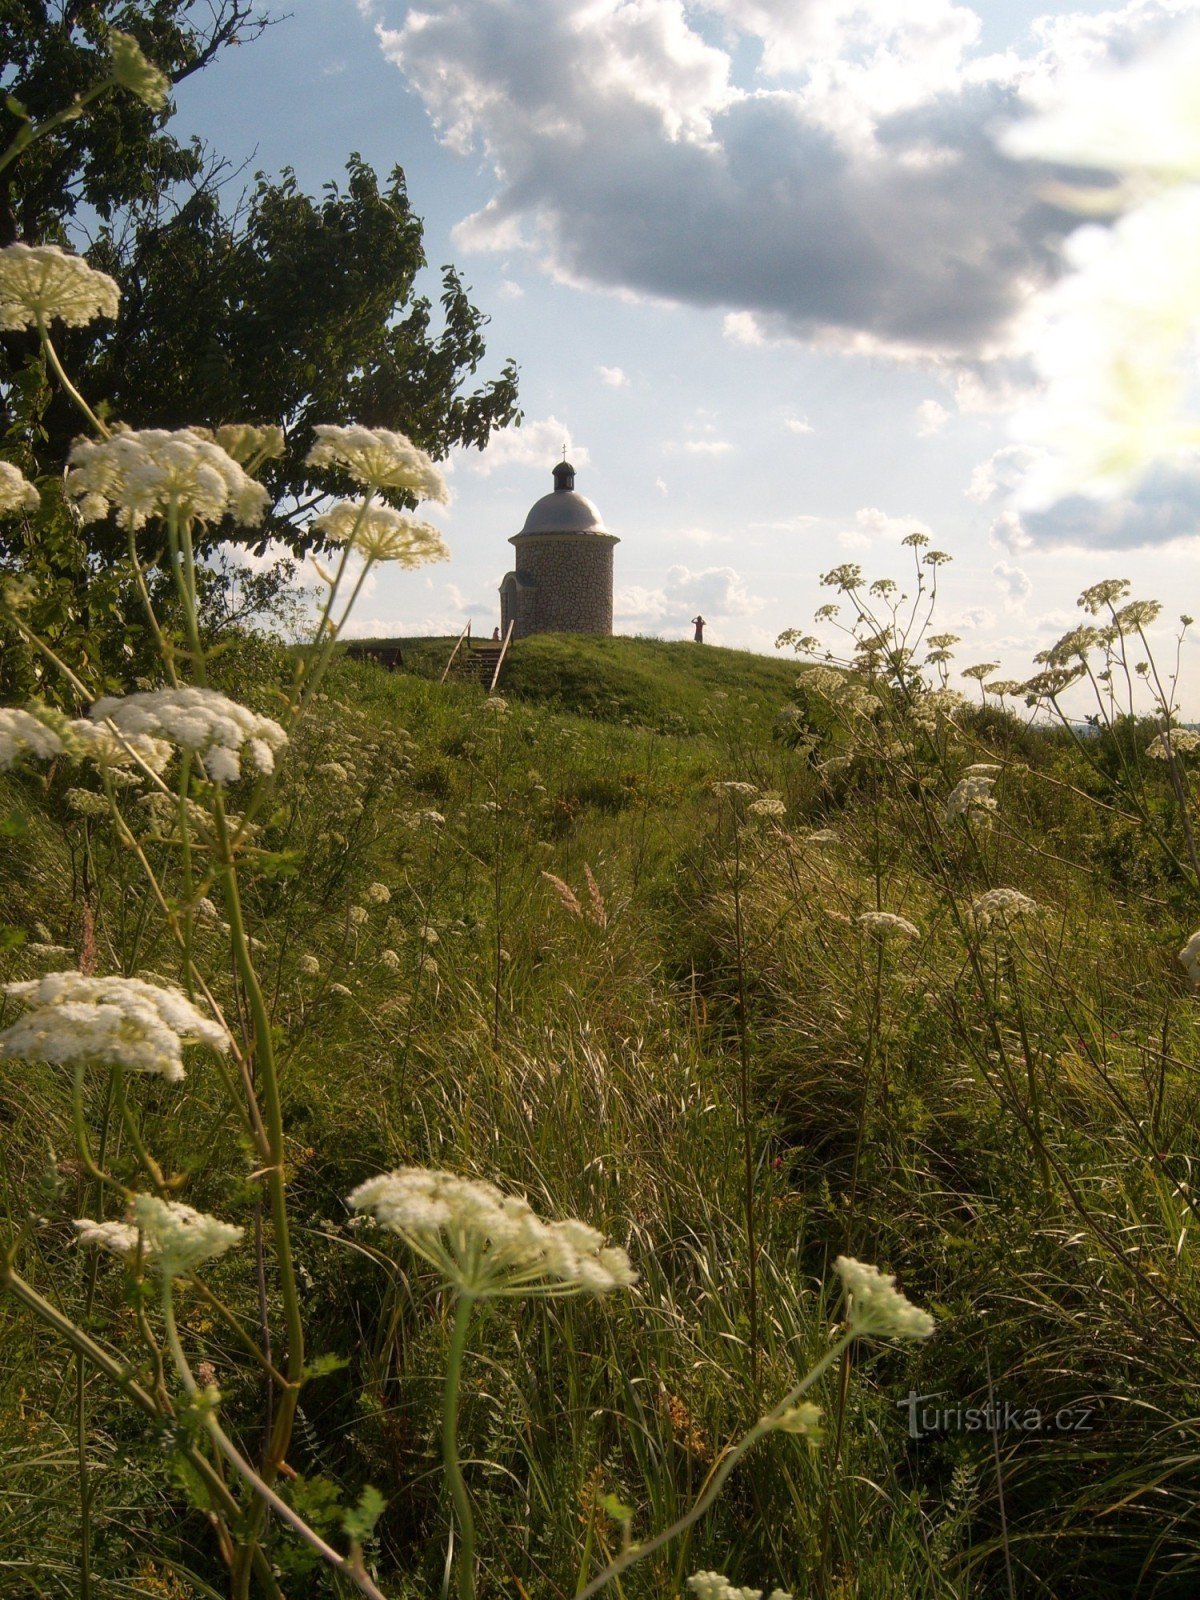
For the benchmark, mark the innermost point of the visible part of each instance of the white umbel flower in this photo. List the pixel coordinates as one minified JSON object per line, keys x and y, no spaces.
{"x":999,"y":905}
{"x":716,"y":1586}
{"x":177,"y":1237}
{"x":133,"y":72}
{"x":971,"y":797}
{"x":40,"y":283}
{"x":485,"y":1242}
{"x":22,"y":734}
{"x":107,"y":1022}
{"x":877,"y":1307}
{"x":382,"y":534}
{"x":1189,"y":958}
{"x":211,"y":725}
{"x":378,"y":459}
{"x":1183,"y":742}
{"x":16,"y":491}
{"x":887,"y":925}
{"x":154,"y":471}
{"x":117,"y":1238}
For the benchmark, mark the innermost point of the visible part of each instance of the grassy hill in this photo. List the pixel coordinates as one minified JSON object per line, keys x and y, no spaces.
{"x":670,"y":686}
{"x":548,"y":947}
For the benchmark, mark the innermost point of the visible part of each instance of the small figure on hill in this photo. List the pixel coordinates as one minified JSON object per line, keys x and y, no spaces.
{"x":698,"y":624}
{"x":495,"y":635}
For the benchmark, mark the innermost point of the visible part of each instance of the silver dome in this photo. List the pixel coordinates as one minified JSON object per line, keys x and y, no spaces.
{"x":564,"y":511}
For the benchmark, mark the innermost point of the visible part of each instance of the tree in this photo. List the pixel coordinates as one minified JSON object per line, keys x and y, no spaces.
{"x":285,"y":310}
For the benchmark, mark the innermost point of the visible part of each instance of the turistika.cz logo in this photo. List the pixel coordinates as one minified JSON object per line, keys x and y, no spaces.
{"x":926,"y":1416}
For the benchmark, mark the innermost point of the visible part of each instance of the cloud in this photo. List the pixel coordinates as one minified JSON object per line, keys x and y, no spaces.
{"x":741,"y":327}
{"x":1013,"y":582}
{"x":872,"y":524}
{"x":703,"y":447}
{"x":613,"y":376}
{"x":533,"y":444}
{"x":853,"y":190}
{"x":1162,"y":508}
{"x":717,"y":592}
{"x":932,"y":418}
{"x":510,"y":289}
{"x":798,"y":425}
{"x":661,"y":486}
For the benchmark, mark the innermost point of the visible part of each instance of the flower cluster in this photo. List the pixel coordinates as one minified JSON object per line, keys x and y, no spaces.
{"x":886,"y":925}
{"x":204,"y":721}
{"x":485,"y":1242}
{"x":158,"y":472}
{"x":381,"y":534}
{"x":1189,"y":958}
{"x":16,"y":491}
{"x":21,"y":733}
{"x":971,"y":796}
{"x":40,"y":282}
{"x":107,"y":1021}
{"x":378,"y":459}
{"x":132,"y":71}
{"x":999,"y":905}
{"x":716,"y":1586}
{"x":1182,"y":742}
{"x":877,"y":1307}
{"x":178,"y":1237}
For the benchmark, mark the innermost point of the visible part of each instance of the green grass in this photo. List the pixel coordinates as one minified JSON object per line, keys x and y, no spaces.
{"x":891,"y":1115}
{"x":668,"y":686}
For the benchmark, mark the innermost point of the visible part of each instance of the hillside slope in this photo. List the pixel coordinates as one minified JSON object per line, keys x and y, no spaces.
{"x":670,"y":686}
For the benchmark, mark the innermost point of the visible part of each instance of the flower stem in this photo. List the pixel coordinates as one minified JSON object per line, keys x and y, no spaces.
{"x":458,"y":1488}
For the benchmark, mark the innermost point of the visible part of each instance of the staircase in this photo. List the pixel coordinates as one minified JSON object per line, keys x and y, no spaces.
{"x":477,"y":664}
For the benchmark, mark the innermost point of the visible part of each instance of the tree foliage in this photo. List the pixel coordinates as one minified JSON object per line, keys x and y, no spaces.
{"x":281,"y":308}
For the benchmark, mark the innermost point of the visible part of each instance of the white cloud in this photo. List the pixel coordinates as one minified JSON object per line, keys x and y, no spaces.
{"x":510,"y":289}
{"x":932,"y":418}
{"x":660,"y":485}
{"x":872,"y":524}
{"x":613,"y":376}
{"x":1014,"y":583}
{"x":704,"y":447}
{"x":798,"y":425}
{"x":717,"y":592}
{"x":741,"y":327}
{"x":1001,"y":474}
{"x":533,"y":444}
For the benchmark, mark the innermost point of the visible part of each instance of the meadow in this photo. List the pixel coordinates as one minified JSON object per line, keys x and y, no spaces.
{"x":606,"y":982}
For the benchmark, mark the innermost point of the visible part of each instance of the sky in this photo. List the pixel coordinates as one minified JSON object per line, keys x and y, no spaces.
{"x":765,"y":272}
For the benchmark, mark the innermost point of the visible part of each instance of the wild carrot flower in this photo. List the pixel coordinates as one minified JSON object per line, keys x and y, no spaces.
{"x":716,"y":1586}
{"x":16,"y":491}
{"x":390,"y":960}
{"x":153,"y":472}
{"x":21,"y":734}
{"x":244,"y":441}
{"x":107,"y":1021}
{"x":1189,"y":958}
{"x":1183,"y":742}
{"x":117,"y":1238}
{"x":358,"y":915}
{"x":378,"y":894}
{"x":378,"y":459}
{"x":877,"y":1309}
{"x":41,"y":283}
{"x":769,"y":805}
{"x":309,"y":965}
{"x":999,"y":905}
{"x":485,"y":1242}
{"x":133,"y":72}
{"x":381,"y":534}
{"x":971,"y":797}
{"x":178,"y":1237}
{"x":204,"y":721}
{"x":885,"y":925}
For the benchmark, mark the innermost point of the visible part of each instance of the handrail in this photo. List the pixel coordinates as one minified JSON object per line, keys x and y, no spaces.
{"x":465,"y":634}
{"x":500,"y":660}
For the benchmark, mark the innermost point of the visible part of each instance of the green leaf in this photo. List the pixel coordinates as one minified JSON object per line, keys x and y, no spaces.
{"x":359,"y":1523}
{"x":322,"y":1366}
